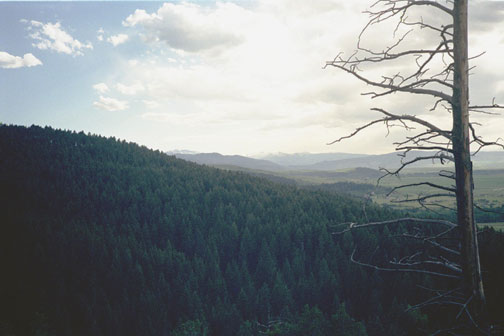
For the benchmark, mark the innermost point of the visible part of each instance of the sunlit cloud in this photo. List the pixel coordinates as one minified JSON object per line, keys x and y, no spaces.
{"x":111,"y":104}
{"x":100,"y":33}
{"x":118,"y":39}
{"x":8,"y":61}
{"x":262,"y":74}
{"x":101,"y":87}
{"x":151,"y":104}
{"x":132,"y":89}
{"x":51,"y":36}
{"x":191,"y":27}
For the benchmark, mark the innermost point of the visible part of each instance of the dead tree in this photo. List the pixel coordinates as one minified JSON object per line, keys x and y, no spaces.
{"x":439,"y":70}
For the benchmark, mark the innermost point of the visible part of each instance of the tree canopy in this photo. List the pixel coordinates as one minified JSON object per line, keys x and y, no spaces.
{"x":103,"y":237}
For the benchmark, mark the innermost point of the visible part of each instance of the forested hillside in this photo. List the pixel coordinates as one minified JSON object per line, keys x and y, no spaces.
{"x":103,"y":237}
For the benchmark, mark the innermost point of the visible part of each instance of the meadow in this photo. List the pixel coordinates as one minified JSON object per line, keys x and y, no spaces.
{"x":488,"y":192}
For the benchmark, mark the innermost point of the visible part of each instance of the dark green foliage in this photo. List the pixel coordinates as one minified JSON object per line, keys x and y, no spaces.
{"x":352,"y":188}
{"x":191,"y":328}
{"x":104,"y":237}
{"x":345,"y":325}
{"x":311,"y":322}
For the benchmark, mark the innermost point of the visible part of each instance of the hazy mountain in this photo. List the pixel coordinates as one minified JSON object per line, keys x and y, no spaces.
{"x":359,"y":173}
{"x":393,"y":160}
{"x":216,"y":159}
{"x":302,"y":159}
{"x":330,"y":161}
{"x":389,"y":160}
{"x":180,"y":151}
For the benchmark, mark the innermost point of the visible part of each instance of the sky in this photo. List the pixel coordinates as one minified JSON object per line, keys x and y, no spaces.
{"x":235,"y":77}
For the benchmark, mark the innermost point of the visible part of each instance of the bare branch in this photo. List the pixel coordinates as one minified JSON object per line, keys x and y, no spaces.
{"x":479,"y":55}
{"x":424,"y":148}
{"x":443,"y":30}
{"x":419,"y":184}
{"x":387,"y":56}
{"x":398,"y":221}
{"x":464,"y":307}
{"x":406,"y":270}
{"x":492,"y":106}
{"x":423,"y":198}
{"x":430,"y":3}
{"x":394,"y":10}
{"x":390,"y":87}
{"x":431,"y":241}
{"x":488,"y":210}
{"x":450,"y":266}
{"x":421,"y":67}
{"x":484,"y":112}
{"x":424,"y":137}
{"x":435,"y":299}
{"x":432,"y":127}
{"x":447,"y":174}
{"x":440,"y":206}
{"x":481,"y":142}
{"x":486,"y":106}
{"x":358,"y":130}
{"x":396,"y":172}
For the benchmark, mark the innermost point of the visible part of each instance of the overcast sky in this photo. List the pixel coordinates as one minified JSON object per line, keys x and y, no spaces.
{"x":240,"y":77}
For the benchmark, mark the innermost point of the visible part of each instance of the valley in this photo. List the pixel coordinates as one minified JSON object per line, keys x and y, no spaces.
{"x":361,"y":174}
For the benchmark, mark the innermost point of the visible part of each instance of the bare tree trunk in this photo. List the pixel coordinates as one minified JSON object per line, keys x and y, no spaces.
{"x":463,"y":166}
{"x":442,"y":72}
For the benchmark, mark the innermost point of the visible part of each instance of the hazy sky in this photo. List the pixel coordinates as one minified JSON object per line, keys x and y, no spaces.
{"x":240,"y":77}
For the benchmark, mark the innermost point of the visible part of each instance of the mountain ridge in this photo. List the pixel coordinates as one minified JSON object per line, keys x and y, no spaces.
{"x":217,"y":159}
{"x":323,"y":161}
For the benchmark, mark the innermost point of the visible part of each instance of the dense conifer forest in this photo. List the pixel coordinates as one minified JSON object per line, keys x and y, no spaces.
{"x":103,"y":237}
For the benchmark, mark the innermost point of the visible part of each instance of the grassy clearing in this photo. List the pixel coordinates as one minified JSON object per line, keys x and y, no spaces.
{"x":488,"y":191}
{"x":489,"y":185}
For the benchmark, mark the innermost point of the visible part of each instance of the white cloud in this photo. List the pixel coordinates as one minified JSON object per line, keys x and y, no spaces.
{"x":270,"y":79}
{"x":51,"y":36}
{"x":111,"y":104}
{"x":101,"y":87}
{"x":130,"y":89}
{"x":151,"y":104}
{"x":100,"y":33}
{"x":8,"y":61}
{"x":190,"y":27}
{"x":279,"y":51}
{"x":115,"y":40}
{"x":485,"y":15}
{"x":235,"y":77}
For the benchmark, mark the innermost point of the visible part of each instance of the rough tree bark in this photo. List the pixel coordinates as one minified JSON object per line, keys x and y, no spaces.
{"x":448,"y":84}
{"x":471,"y":269}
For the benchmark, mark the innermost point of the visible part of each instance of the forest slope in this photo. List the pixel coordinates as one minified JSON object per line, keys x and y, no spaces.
{"x":103,"y":237}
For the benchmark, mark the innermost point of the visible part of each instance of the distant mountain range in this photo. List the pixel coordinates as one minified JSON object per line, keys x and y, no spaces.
{"x":219,"y":160}
{"x":389,"y":160}
{"x":305,"y":159}
{"x":329,"y":161}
